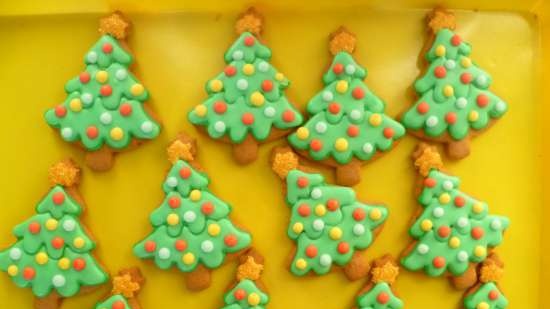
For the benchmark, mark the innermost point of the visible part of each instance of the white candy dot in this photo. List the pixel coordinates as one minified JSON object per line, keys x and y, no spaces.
{"x":368,"y":148}
{"x":189,"y":216}
{"x":432,"y":121}
{"x":146,"y":126}
{"x":172,"y":182}
{"x":438,"y":212}
{"x":121,"y":74}
{"x":164,"y":253}
{"x":92,"y":57}
{"x":269,"y":111}
{"x":462,"y":256}
{"x":69,"y":225}
{"x":219,"y":126}
{"x":496,"y":224}
{"x":67,"y":133}
{"x":321,"y":127}
{"x":238,"y":55}
{"x":461,"y":103}
{"x":318,"y":225}
{"x":448,"y":185}
{"x":86,"y":98}
{"x":481,"y":80}
{"x":355,"y":114}
{"x":58,"y":281}
{"x":450,"y":64}
{"x":500,"y":106}
{"x":15,"y":254}
{"x":242,"y":84}
{"x":462,"y":222}
{"x":316,"y":193}
{"x":422,"y":249}
{"x":350,"y":69}
{"x":105,"y":118}
{"x":263,"y":66}
{"x":328,"y":96}
{"x":325,"y":260}
{"x":207,"y":246}
{"x":358,"y":229}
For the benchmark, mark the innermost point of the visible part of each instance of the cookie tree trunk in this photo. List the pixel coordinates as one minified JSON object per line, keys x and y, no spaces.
{"x":52,"y":301}
{"x":458,"y":149}
{"x":199,"y":279}
{"x":349,"y":174}
{"x":247,"y":151}
{"x":100,"y":160}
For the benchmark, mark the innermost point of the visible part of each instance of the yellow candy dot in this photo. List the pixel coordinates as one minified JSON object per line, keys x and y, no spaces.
{"x":426,"y":225}
{"x":440,"y":51}
{"x":444,"y":198}
{"x":480,"y":251}
{"x":172,"y":219}
{"x":64,"y":263}
{"x":248,"y":69}
{"x":214,"y":229}
{"x":320,"y":210}
{"x":477,"y":207}
{"x":301,"y":264}
{"x":216,"y":85}
{"x":101,"y":76}
{"x":188,"y":258}
{"x":466,"y":62}
{"x":279,"y":76}
{"x":454,"y":242}
{"x":341,"y":144}
{"x":41,"y":258}
{"x":75,"y":105}
{"x":302,"y":133}
{"x":342,"y":86}
{"x":79,"y":242}
{"x":375,"y":120}
{"x":117,"y":134}
{"x":51,"y":224}
{"x":375,"y":214}
{"x":335,"y":233}
{"x":137,"y":89}
{"x":473,"y":116}
{"x":201,"y":110}
{"x":195,"y":195}
{"x":253,"y":299}
{"x":257,"y":99}
{"x":482,"y":305}
{"x":13,"y":270}
{"x":298,"y":227}
{"x":448,"y":90}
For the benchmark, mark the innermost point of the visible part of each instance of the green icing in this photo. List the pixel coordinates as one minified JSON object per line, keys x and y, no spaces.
{"x":465,"y":219}
{"x":191,"y":226}
{"x":352,"y":114}
{"x":483,"y":295}
{"x":222,"y":113}
{"x":470,"y":105}
{"x":239,"y":296}
{"x":379,"y":297}
{"x":46,"y":256}
{"x":327,"y":223}
{"x":89,"y":116}
{"x":116,"y":301}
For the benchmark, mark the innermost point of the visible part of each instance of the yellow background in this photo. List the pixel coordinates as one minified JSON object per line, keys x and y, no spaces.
{"x":180,"y":45}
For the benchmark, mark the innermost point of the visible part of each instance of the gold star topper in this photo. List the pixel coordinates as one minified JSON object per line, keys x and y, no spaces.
{"x":180,"y":150}
{"x":490,"y":272}
{"x":124,"y":285}
{"x":249,"y":270}
{"x":342,"y":40}
{"x":440,"y":18}
{"x":64,"y":173}
{"x":385,"y":273}
{"x":426,"y":158}
{"x":115,"y":24}
{"x":250,"y":21}
{"x":283,"y":161}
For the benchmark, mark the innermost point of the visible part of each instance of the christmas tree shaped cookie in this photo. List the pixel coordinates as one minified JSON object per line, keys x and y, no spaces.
{"x":329,"y":225}
{"x":191,"y":228}
{"x":53,"y":252}
{"x":126,"y":286}
{"x":348,"y":125}
{"x":246,"y":103}
{"x":453,"y":231}
{"x":379,"y":294}
{"x":104,"y":111}
{"x":248,"y":290}
{"x":454,"y":101}
{"x":486,"y":293}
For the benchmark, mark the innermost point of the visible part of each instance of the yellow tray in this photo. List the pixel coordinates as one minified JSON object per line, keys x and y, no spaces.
{"x":179,"y":45}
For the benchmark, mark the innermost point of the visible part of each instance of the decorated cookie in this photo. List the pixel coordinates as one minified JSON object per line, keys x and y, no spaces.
{"x":329,"y":225}
{"x":191,"y":228}
{"x":247,"y":291}
{"x":453,"y":231}
{"x":246,"y":103}
{"x":348,"y":125}
{"x":53,"y":252}
{"x":486,"y":293}
{"x":104,"y":111}
{"x":454,"y":101}
{"x":126,"y":286}
{"x":378,"y":293}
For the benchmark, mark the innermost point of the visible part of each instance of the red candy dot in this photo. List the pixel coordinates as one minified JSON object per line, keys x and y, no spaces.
{"x":388,"y":132}
{"x":29,"y":273}
{"x":456,"y":40}
{"x":494,"y":294}
{"x":185,"y":172}
{"x":358,"y":93}
{"x":230,"y":70}
{"x":247,"y":119}
{"x":430,"y":182}
{"x":332,"y":205}
{"x":288,"y":116}
{"x":118,"y":305}
{"x":220,"y":107}
{"x":315,"y":145}
{"x":58,"y":242}
{"x":477,"y":232}
{"x":106,"y":90}
{"x":58,"y":198}
{"x":304,"y":210}
{"x":84,"y":77}
{"x":383,"y":298}
{"x":444,"y":231}
{"x":207,"y":208}
{"x":450,"y":117}
{"x":60,"y":111}
{"x":482,"y":100}
{"x":174,"y":202}
{"x":334,"y":108}
{"x":79,"y":264}
{"x":34,"y":227}
{"x":92,"y":132}
{"x":440,"y":71}
{"x":249,"y":41}
{"x":311,"y":251}
{"x":338,"y":68}
{"x":460,"y":201}
{"x":150,"y":246}
{"x":359,"y":214}
{"x":343,"y":247}
{"x":230,"y":240}
{"x":353,"y":130}
{"x":125,"y":109}
{"x":302,"y":182}
{"x":180,"y":245}
{"x":423,"y":108}
{"x":107,"y":48}
{"x":239,"y":294}
{"x":466,"y":78}
{"x":267,"y":85}
{"x":439,"y":262}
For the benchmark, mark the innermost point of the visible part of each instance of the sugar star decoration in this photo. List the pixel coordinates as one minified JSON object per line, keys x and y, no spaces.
{"x":249,"y":270}
{"x":386,"y":273}
{"x":125,"y":286}
{"x":429,"y":159}
{"x":114,"y":24}
{"x":179,"y":150}
{"x":342,"y":40}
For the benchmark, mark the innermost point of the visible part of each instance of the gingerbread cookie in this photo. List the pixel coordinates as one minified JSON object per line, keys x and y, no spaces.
{"x":329,"y":225}
{"x":246,"y":103}
{"x":52,"y":254}
{"x":248,"y":291}
{"x":453,"y":231}
{"x":486,"y":294}
{"x":379,"y":293}
{"x":104,"y":111}
{"x":191,"y":228}
{"x":454,"y":102}
{"x":126,"y":286}
{"x":348,"y":126}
